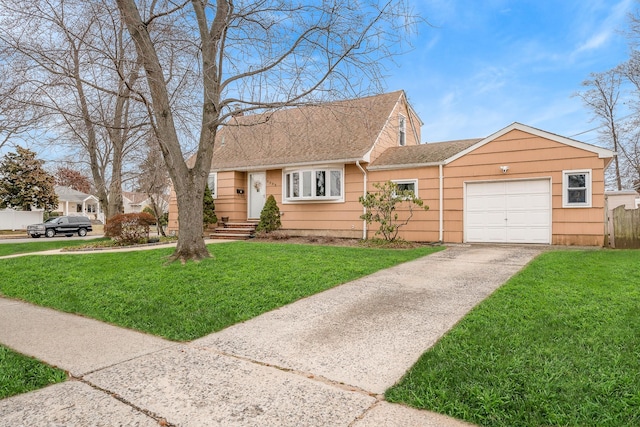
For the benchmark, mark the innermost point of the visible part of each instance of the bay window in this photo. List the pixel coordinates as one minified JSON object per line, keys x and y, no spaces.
{"x":313,"y":184}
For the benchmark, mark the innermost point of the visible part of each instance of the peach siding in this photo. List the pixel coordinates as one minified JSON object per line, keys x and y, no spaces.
{"x":424,"y":225}
{"x":529,"y":156}
{"x":389,"y":136}
{"x":228,"y":202}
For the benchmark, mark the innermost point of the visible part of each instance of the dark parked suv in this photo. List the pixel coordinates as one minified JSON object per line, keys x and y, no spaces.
{"x":67,"y":225}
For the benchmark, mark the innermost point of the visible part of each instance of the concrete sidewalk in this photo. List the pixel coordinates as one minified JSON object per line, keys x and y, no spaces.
{"x":322,"y":361}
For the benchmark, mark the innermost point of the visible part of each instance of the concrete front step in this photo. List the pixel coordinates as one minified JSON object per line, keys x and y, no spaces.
{"x":230,"y":236}
{"x":251,"y":225}
{"x":234,"y":230}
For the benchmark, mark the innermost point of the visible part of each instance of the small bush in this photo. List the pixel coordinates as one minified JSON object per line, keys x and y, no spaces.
{"x":150,"y":212}
{"x":129,"y":229}
{"x":270,"y":216}
{"x":382,"y":207}
{"x":208,"y":208}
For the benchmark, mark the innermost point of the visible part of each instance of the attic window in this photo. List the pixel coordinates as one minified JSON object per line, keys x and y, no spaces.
{"x":313,"y":184}
{"x":402,"y":130}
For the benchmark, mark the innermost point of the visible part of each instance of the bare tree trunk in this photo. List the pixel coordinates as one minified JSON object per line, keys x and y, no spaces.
{"x":116,"y":204}
{"x":190,"y":242}
{"x":296,"y":50}
{"x":188,"y":183}
{"x":158,"y":214}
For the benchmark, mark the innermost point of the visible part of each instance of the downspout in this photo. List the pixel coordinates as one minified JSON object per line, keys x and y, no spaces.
{"x":441,"y":232}
{"x":364,"y":194}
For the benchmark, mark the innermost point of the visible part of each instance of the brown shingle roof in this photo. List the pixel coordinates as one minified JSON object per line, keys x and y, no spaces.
{"x":337,"y":131}
{"x":135,"y":197}
{"x":421,"y":154}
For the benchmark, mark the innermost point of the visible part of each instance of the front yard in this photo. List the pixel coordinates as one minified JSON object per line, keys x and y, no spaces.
{"x":558,"y":345}
{"x":183,"y":302}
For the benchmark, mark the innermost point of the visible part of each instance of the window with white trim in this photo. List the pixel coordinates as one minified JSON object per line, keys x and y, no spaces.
{"x":407,"y":184}
{"x":576,"y":189}
{"x":402,"y":130}
{"x":212,"y":182}
{"x":313,"y":184}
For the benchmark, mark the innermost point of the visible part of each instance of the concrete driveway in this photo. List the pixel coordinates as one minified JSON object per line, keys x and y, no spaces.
{"x":322,"y":361}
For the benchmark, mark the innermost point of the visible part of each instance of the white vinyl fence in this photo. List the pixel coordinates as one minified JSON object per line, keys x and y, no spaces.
{"x":18,"y":220}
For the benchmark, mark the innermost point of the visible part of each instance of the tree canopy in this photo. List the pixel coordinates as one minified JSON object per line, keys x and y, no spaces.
{"x":73,"y":179}
{"x":24,"y":184}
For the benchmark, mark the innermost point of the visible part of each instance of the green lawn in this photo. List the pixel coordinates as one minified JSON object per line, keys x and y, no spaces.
{"x":182,"y":302}
{"x":19,"y":374}
{"x":558,"y":345}
{"x":42,"y":245}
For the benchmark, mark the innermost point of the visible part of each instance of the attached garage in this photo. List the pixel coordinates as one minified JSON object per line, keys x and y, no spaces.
{"x":517,"y":211}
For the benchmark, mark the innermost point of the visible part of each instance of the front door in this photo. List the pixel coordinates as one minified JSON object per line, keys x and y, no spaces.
{"x":257,"y":193}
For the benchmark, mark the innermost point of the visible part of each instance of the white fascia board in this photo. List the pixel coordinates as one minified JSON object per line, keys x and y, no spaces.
{"x":602,"y":153}
{"x":404,"y":166}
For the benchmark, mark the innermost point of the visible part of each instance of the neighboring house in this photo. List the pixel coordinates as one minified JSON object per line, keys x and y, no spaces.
{"x":135,"y":202}
{"x":630,"y":199}
{"x":519,"y":185}
{"x":76,"y":203}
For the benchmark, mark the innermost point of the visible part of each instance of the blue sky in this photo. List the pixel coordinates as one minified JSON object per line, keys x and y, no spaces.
{"x":484,"y":64}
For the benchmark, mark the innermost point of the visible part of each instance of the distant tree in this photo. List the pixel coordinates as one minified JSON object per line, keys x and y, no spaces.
{"x":630,"y":150}
{"x":270,"y":216}
{"x":208,"y":208}
{"x":75,"y":71}
{"x":24,"y":183}
{"x":602,"y":96}
{"x":73,"y":179}
{"x":153,"y":180}
{"x":381,"y":207}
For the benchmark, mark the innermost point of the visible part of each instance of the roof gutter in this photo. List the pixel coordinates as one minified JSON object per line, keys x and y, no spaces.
{"x":404,"y":166}
{"x":364,"y":194}
{"x":284,"y":165}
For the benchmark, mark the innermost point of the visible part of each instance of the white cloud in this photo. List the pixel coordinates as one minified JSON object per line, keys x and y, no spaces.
{"x":595,"y":42}
{"x":601,"y":33}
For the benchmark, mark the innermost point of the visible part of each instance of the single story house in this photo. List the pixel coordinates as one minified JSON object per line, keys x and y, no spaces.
{"x":76,"y":203}
{"x":518,"y":185}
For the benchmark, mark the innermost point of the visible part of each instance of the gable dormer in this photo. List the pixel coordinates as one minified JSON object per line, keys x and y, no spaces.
{"x":402,"y":129}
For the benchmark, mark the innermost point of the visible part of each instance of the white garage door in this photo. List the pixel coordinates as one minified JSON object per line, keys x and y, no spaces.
{"x":508,"y":212}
